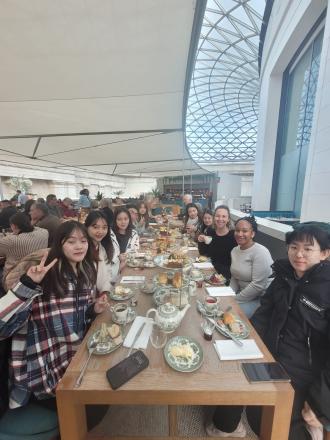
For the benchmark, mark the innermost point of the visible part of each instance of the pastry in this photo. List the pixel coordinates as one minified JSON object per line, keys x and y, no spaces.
{"x":234,"y":327}
{"x":114,"y":331}
{"x":183,"y":351}
{"x":228,"y":318}
{"x":162,"y":278}
{"x":177,"y":280}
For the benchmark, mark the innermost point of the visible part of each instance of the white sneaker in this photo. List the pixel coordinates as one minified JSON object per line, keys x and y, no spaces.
{"x":212,"y":431}
{"x":316,"y":433}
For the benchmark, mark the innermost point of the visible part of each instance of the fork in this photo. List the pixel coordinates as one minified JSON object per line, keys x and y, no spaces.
{"x":91,"y":349}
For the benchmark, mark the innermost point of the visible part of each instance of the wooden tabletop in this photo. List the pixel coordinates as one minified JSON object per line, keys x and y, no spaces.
{"x":216,"y":382}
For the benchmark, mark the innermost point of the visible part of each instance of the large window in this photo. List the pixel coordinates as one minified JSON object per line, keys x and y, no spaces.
{"x":297,"y":108}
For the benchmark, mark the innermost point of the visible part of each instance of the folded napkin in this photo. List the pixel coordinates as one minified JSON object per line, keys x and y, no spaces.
{"x":143,"y":339}
{"x":220,"y":291}
{"x":205,"y":265}
{"x":229,"y":350}
{"x":132,"y":279}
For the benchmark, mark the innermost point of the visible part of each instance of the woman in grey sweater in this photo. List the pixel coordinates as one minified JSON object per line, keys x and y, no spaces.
{"x":250,"y":266}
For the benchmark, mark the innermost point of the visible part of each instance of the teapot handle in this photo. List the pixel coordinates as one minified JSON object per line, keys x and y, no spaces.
{"x":150,"y":311}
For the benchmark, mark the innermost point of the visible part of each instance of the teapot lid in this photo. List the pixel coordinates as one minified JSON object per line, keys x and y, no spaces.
{"x":168,"y":310}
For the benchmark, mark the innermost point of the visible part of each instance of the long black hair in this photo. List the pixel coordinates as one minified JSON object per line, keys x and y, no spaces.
{"x":106,"y":242}
{"x":57,"y":278}
{"x":129,"y":229}
{"x":22,"y":221}
{"x":310,"y":232}
{"x":199,"y":214}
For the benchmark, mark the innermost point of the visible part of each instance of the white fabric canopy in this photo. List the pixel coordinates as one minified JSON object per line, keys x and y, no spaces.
{"x":97,"y":85}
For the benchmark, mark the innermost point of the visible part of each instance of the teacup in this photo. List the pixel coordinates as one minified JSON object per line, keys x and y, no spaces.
{"x":211,"y":304}
{"x":120,"y":311}
{"x":207,"y":239}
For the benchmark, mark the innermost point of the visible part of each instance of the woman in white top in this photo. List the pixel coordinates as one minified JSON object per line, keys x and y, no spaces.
{"x":250,"y":266}
{"x":98,"y":230}
{"x":127,"y":238}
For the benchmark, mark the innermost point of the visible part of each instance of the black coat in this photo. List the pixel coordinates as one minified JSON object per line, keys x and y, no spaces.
{"x":294,"y":322}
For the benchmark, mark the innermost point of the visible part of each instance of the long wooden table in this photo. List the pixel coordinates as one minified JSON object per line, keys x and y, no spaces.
{"x":215,"y":383}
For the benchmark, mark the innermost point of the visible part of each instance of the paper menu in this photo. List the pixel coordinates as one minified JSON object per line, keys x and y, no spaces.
{"x":143,"y":339}
{"x":229,"y":350}
{"x":205,"y":265}
{"x":220,"y":291}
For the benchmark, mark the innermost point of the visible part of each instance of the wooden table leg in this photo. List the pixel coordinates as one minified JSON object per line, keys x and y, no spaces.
{"x":275,"y":422}
{"x":72,"y":419}
{"x":172,"y":421}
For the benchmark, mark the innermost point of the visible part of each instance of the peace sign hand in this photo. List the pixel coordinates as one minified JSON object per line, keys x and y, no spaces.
{"x":37,"y":273}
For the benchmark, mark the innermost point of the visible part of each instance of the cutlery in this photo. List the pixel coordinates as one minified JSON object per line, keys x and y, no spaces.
{"x":236,"y":340}
{"x":138,"y":333}
{"x":91,"y":349}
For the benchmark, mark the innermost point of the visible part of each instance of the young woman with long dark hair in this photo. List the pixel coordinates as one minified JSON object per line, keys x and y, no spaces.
{"x":47,"y":314}
{"x":98,"y":230}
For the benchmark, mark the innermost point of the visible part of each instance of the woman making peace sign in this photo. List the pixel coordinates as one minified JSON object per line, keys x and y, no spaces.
{"x":47,"y":314}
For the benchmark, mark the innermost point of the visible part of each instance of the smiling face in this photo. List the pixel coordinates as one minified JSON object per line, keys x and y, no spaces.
{"x":75,"y":247}
{"x":244,"y":234}
{"x":303,"y":255}
{"x":208,"y":219}
{"x":192,"y":213}
{"x":98,"y":230}
{"x":122,"y":221}
{"x":221,"y":219}
{"x":142,"y":209}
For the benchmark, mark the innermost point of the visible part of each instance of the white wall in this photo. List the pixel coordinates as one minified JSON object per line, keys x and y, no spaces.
{"x":316,"y":196}
{"x":68,"y":183}
{"x":290,"y":22}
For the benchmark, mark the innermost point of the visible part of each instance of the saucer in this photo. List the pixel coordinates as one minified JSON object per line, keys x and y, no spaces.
{"x":201,"y":309}
{"x":131,"y":314}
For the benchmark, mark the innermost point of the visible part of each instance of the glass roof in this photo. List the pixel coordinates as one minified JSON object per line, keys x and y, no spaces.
{"x":222,"y":114}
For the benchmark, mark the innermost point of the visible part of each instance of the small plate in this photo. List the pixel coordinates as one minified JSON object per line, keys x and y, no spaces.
{"x":103,"y":347}
{"x":180,"y":363}
{"x":131,"y":314}
{"x":224,"y":329}
{"x":162,"y":261}
{"x":123,"y":297}
{"x":209,"y":281}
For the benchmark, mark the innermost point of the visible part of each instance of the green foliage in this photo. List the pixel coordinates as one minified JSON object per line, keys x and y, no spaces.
{"x":99,"y":196}
{"x":20,"y":183}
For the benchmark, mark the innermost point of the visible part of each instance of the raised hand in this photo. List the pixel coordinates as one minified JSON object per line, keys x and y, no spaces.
{"x":37,"y":273}
{"x":101,"y":303}
{"x":201,"y":238}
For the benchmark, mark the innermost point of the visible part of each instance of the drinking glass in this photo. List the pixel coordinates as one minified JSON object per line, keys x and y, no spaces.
{"x":208,"y":328}
{"x":158,"y":337}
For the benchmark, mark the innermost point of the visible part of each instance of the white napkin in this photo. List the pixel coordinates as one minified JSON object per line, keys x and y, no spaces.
{"x":220,"y":291}
{"x":132,"y":279}
{"x":205,"y":265}
{"x":192,"y":248}
{"x":229,"y":350}
{"x":143,"y":339}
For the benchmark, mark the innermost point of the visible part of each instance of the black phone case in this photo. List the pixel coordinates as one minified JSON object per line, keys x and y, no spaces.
{"x":265,"y":372}
{"x":126,"y":369}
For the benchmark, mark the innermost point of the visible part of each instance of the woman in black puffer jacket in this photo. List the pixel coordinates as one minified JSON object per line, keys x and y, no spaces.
{"x":294,"y":322}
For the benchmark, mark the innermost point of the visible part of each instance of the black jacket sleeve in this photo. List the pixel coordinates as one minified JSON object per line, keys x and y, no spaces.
{"x":262,"y":316}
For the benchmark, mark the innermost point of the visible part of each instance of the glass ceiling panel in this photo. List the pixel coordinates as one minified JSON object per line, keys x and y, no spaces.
{"x":222,"y":114}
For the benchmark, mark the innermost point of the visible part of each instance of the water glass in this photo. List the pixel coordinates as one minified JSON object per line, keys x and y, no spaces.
{"x":158,"y":337}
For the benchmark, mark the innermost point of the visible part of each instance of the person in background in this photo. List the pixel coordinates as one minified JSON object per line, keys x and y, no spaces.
{"x":15,"y":197}
{"x":84,"y":200}
{"x":41,"y":217}
{"x":66,"y":207}
{"x":24,"y":240}
{"x":187,"y":199}
{"x":223,"y":241}
{"x":127,"y":237}
{"x":52,"y":204}
{"x":41,"y":200}
{"x":27,"y":207}
{"x":206,"y":230}
{"x":250,"y":266}
{"x":192,"y":220}
{"x":105,"y":207}
{"x":22,"y":198}
{"x":132,"y":209}
{"x":47,"y":315}
{"x":99,"y":231}
{"x":142,"y":223}
{"x":293,"y":321}
{"x":7,"y":210}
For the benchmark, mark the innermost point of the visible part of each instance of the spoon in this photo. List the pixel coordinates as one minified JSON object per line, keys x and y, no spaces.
{"x":91,"y":349}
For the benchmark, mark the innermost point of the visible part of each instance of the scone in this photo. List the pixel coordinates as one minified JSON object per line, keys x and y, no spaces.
{"x":114,"y":331}
{"x":177,"y":280}
{"x":162,"y":278}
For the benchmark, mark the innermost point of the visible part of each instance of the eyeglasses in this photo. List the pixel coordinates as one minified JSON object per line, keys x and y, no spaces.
{"x":306,"y":252}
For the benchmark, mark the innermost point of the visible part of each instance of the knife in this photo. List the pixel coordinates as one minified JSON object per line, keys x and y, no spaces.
{"x":138,"y":333}
{"x":236,"y":340}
